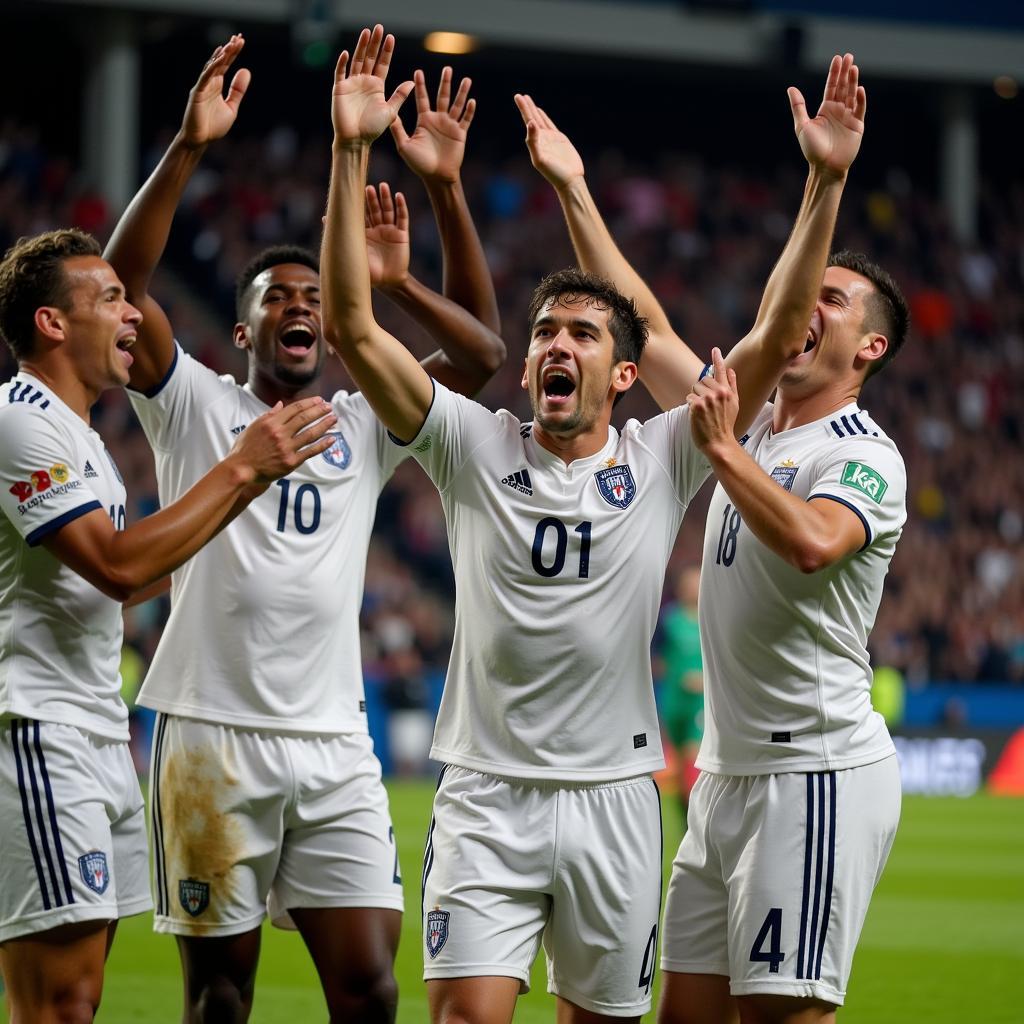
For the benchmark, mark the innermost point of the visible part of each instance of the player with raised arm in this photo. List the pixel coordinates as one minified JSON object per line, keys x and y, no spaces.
{"x":829,"y":142}
{"x":796,"y":808}
{"x":73,"y":846}
{"x":546,"y":821}
{"x":264,"y":780}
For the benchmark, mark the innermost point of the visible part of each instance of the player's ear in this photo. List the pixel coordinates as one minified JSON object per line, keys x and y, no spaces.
{"x":240,"y":336}
{"x":50,"y":326}
{"x":525,"y":382}
{"x":873,"y":347}
{"x":624,"y":376}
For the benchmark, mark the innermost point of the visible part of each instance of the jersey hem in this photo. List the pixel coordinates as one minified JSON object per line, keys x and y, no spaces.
{"x":40,"y":533}
{"x":9,"y":715}
{"x":549,"y":774}
{"x":816,"y":764}
{"x":217,"y":716}
{"x":853,"y":508}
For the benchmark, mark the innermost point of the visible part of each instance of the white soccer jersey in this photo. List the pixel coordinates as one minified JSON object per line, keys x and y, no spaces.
{"x":60,"y":637}
{"x":264,"y":624}
{"x":786,"y":670}
{"x":559,"y":571}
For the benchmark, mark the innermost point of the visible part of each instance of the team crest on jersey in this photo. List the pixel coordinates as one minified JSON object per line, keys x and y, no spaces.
{"x":785,"y":473}
{"x":193,"y":895}
{"x":436,"y":930}
{"x":616,"y":485}
{"x":339,"y":454}
{"x":95,"y":873}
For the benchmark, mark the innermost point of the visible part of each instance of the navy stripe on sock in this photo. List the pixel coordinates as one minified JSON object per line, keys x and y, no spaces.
{"x":58,"y":846}
{"x":23,"y":791}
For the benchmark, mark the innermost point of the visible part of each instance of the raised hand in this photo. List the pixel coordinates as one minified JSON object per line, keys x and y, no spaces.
{"x":387,"y":236}
{"x":281,"y":440}
{"x":209,"y":113}
{"x":359,"y":109}
{"x":830,"y":140}
{"x":714,"y":405}
{"x":550,"y":150}
{"x":436,"y":147}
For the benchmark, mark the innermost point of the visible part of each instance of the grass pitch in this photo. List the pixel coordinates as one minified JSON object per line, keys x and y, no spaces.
{"x":943,"y":943}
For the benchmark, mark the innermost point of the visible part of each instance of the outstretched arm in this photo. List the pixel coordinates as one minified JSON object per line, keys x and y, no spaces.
{"x":122,"y":562}
{"x":396,"y":386}
{"x":470,"y":352}
{"x":435,"y":151}
{"x":141,"y":234}
{"x":669,"y":367}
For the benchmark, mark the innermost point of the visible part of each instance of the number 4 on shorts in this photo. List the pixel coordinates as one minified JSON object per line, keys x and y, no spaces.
{"x":771,"y":932}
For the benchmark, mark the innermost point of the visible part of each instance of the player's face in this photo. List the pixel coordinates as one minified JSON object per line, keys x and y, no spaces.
{"x":283,"y":332}
{"x":100,"y":323}
{"x":569,"y":367}
{"x":835,"y":335}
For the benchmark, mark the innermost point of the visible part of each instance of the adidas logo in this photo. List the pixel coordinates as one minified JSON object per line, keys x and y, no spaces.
{"x":237,"y":430}
{"x":525,"y":430}
{"x":89,"y":471}
{"x":519,"y":481}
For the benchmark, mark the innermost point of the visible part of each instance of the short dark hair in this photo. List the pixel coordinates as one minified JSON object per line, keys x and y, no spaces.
{"x":272,"y":257}
{"x":567,"y":287}
{"x":886,"y":311}
{"x":32,"y":276}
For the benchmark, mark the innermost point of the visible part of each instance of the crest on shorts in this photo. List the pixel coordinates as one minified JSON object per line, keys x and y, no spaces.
{"x":437,"y":930}
{"x":616,"y":485}
{"x":194,"y":896}
{"x":95,"y":872}
{"x":339,"y":454}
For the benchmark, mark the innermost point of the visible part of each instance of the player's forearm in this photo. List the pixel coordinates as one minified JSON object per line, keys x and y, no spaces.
{"x":160,"y":543}
{"x":786,"y":524}
{"x":669,"y":367}
{"x":467,"y":278}
{"x":473,"y":352}
{"x":139,"y":240}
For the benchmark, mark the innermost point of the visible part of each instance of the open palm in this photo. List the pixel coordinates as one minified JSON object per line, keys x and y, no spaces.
{"x":359,"y":109}
{"x":209,"y":114}
{"x":831,"y":139}
{"x":437,"y":145}
{"x":387,"y":236}
{"x":551,"y":151}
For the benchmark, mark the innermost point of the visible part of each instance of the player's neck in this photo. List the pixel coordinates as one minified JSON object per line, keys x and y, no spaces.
{"x":270,"y":391}
{"x":64,"y":383}
{"x":795,"y":410}
{"x":571,"y":449}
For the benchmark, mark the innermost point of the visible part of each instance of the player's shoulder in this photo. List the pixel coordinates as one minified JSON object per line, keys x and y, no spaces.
{"x":854,"y":427}
{"x":26,"y":410}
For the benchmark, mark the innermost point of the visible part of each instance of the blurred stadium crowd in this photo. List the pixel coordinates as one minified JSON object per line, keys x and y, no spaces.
{"x":705,"y":237}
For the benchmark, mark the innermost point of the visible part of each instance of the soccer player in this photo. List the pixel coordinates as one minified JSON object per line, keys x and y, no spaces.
{"x":73,"y":843}
{"x":264,"y":781}
{"x":792,"y":818}
{"x":546,"y":821}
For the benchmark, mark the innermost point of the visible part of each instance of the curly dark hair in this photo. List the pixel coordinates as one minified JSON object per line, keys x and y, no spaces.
{"x":32,"y":276}
{"x":567,"y":287}
{"x":886,"y":311}
{"x":272,"y":257}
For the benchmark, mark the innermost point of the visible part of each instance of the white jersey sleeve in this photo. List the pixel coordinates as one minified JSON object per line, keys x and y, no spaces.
{"x":670,"y":440}
{"x":60,"y":637}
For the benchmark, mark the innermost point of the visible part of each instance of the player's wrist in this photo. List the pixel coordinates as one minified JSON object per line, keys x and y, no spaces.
{"x":188,"y":146}
{"x":825,"y":175}
{"x":240,"y":472}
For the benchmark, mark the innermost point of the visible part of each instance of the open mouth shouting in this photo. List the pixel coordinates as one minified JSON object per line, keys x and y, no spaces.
{"x":124,"y":343}
{"x":297,"y":337}
{"x":557,"y":385}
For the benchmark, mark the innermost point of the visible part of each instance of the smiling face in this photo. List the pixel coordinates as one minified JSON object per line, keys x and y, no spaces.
{"x":99,"y":324}
{"x":570,"y":370}
{"x":282,"y":331}
{"x":840,"y":346}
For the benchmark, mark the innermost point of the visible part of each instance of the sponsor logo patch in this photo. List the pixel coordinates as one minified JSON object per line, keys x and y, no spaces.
{"x":95,"y":873}
{"x":339,"y":454}
{"x":89,"y":473}
{"x":864,"y":478}
{"x":193,"y":895}
{"x":237,"y":430}
{"x":519,"y":481}
{"x":423,"y":446}
{"x":616,"y":485}
{"x":639,"y":740}
{"x":436,"y":932}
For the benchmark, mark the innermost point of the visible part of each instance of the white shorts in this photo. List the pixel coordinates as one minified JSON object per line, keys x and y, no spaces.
{"x":247,"y":823}
{"x":774,"y":875}
{"x":73,"y":834}
{"x":509,"y":861}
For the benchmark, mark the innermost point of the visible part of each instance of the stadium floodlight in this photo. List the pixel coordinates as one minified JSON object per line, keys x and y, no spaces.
{"x":450,"y":42}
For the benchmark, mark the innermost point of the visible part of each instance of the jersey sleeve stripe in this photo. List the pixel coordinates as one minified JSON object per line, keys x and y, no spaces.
{"x":157,"y":388}
{"x":405,"y":444}
{"x":40,"y":533}
{"x":853,"y":508}
{"x":838,"y":429}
